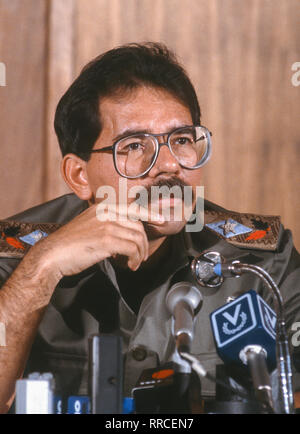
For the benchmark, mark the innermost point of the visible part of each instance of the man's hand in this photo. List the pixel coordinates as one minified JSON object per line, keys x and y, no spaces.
{"x":81,"y":243}
{"x":91,"y":237}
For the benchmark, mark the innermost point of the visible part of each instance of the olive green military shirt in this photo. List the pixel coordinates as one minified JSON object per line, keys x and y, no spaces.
{"x":91,"y":302}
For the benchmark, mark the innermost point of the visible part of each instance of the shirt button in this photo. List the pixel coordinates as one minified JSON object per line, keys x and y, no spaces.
{"x":139,"y":354}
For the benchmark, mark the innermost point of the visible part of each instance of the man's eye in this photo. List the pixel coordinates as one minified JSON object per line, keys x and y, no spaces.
{"x":184,"y":140}
{"x":134,"y":146}
{"x":130,"y":147}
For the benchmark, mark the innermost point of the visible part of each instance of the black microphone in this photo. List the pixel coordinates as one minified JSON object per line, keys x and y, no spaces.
{"x":184,"y":301}
{"x":105,"y":373}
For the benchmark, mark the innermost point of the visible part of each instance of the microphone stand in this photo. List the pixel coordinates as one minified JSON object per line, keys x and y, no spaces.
{"x":218,"y":269}
{"x":282,"y":347}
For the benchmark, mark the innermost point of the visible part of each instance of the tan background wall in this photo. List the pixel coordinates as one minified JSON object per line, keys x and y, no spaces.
{"x":239,"y":53}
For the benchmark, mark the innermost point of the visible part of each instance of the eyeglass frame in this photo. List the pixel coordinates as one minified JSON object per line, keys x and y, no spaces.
{"x":113,"y":148}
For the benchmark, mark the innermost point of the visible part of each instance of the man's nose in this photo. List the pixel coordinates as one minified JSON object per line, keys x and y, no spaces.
{"x":165,"y":163}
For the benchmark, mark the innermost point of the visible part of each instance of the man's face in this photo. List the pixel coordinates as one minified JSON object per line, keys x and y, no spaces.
{"x":149,"y":110}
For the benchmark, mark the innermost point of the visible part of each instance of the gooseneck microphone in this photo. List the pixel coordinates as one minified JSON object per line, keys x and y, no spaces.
{"x":210,"y":269}
{"x":183,"y":301}
{"x":244,"y":332}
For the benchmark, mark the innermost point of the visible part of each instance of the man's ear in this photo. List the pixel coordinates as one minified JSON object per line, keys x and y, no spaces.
{"x":74,"y":173}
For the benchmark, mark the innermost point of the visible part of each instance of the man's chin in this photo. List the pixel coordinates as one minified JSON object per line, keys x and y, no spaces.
{"x":168,"y":228}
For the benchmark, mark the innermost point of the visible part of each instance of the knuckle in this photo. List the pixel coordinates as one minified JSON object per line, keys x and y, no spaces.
{"x":108,"y":229}
{"x":139,"y":236}
{"x":105,"y":237}
{"x":133,"y":249}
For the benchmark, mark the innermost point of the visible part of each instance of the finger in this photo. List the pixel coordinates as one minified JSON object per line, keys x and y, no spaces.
{"x":131,"y":232}
{"x":113,"y":225}
{"x":138,"y":226}
{"x":129,"y":249}
{"x":134,"y":212}
{"x":145,"y":214}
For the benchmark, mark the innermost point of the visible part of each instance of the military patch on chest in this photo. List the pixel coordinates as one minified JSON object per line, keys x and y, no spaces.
{"x":16,"y":238}
{"x":244,"y":230}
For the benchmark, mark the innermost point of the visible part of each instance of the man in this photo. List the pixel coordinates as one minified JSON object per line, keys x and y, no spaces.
{"x":132,"y":114}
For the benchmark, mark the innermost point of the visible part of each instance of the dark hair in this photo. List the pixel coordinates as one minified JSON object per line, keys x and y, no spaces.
{"x":77,"y":119}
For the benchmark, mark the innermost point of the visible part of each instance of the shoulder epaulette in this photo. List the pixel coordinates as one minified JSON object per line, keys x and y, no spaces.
{"x":242,"y":230}
{"x":16,"y":237}
{"x":250,"y":231}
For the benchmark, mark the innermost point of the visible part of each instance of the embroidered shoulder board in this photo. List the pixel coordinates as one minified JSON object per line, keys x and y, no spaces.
{"x":16,"y":238}
{"x":250,"y":231}
{"x":242,"y":230}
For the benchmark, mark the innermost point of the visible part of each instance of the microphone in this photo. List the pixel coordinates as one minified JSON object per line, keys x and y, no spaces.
{"x":105,"y":373}
{"x":206,"y":268}
{"x":245,"y":332}
{"x":209,"y":269}
{"x":184,"y":301}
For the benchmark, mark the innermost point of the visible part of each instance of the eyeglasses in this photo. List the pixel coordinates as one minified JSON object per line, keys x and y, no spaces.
{"x":135,"y":155}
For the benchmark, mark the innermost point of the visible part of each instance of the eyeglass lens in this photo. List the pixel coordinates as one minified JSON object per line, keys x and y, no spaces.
{"x":135,"y":154}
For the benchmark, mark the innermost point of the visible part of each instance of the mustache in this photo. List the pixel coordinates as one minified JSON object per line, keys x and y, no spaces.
{"x":169,"y":183}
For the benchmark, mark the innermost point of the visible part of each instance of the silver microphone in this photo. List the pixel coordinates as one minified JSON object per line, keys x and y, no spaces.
{"x":255,"y":357}
{"x":184,"y":301}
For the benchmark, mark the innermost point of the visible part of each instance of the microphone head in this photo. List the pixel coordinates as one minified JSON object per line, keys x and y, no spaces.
{"x":203,"y":269}
{"x":186,"y":292}
{"x":247,"y":320}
